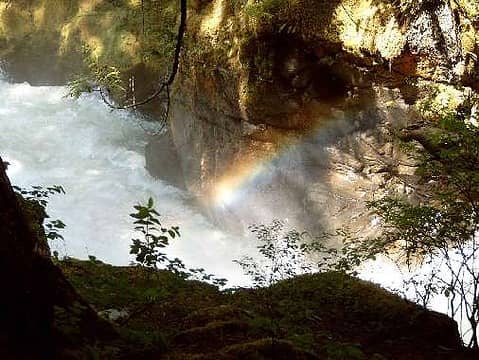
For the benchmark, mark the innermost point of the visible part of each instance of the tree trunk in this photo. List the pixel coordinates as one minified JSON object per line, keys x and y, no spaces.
{"x":32,"y":288}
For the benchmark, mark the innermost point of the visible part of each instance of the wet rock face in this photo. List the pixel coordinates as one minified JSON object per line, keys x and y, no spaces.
{"x":434,"y":35}
{"x":316,"y":114}
{"x":287,"y":80}
{"x":162,"y":160}
{"x":320,"y":178}
{"x":40,"y":65}
{"x":206,"y":142}
{"x":310,"y":144}
{"x":303,"y":71}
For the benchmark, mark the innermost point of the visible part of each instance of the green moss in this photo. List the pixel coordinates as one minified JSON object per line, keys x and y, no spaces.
{"x":67,"y":322}
{"x":118,"y":33}
{"x":339,"y":351}
{"x":267,"y":348}
{"x":16,"y":23}
{"x":309,"y":19}
{"x":343,"y":296}
{"x":329,"y":315}
{"x":470,"y":6}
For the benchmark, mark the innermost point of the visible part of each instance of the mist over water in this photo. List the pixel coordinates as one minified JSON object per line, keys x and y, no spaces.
{"x":98,"y":157}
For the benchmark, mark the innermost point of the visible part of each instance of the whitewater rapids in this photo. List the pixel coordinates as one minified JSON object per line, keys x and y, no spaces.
{"x":98,"y":157}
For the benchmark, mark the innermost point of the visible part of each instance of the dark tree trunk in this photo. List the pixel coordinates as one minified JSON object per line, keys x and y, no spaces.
{"x":26,"y":316}
{"x":32,"y":288}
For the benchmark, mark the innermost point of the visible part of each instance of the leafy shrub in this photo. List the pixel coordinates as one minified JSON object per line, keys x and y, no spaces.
{"x":100,"y":76}
{"x":148,"y":250}
{"x":281,"y":252}
{"x":436,"y":237}
{"x":285,"y":253}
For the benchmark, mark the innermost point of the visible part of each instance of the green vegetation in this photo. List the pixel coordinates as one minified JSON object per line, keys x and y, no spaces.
{"x":286,"y":253}
{"x":36,"y":197}
{"x":432,"y":236}
{"x":435,"y":236}
{"x":281,"y":253}
{"x":98,"y":76}
{"x":329,"y":315}
{"x":155,"y":237}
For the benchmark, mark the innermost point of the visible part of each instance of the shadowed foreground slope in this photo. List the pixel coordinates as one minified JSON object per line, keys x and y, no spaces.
{"x":321,"y":316}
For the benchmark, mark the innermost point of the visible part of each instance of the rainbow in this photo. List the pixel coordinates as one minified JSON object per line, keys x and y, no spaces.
{"x":250,"y":169}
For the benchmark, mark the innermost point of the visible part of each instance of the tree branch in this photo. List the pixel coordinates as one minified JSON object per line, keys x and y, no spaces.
{"x":164,"y":86}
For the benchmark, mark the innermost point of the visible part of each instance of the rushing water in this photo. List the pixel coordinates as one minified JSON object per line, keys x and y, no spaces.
{"x":98,"y":157}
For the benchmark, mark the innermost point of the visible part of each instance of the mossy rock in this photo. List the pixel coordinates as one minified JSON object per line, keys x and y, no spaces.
{"x":217,"y":313}
{"x":266,"y":349}
{"x":329,"y":315}
{"x":213,"y":336}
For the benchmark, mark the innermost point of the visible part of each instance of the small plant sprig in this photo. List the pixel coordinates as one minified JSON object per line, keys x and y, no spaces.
{"x":40,"y":195}
{"x":282,"y":254}
{"x":148,"y":250}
